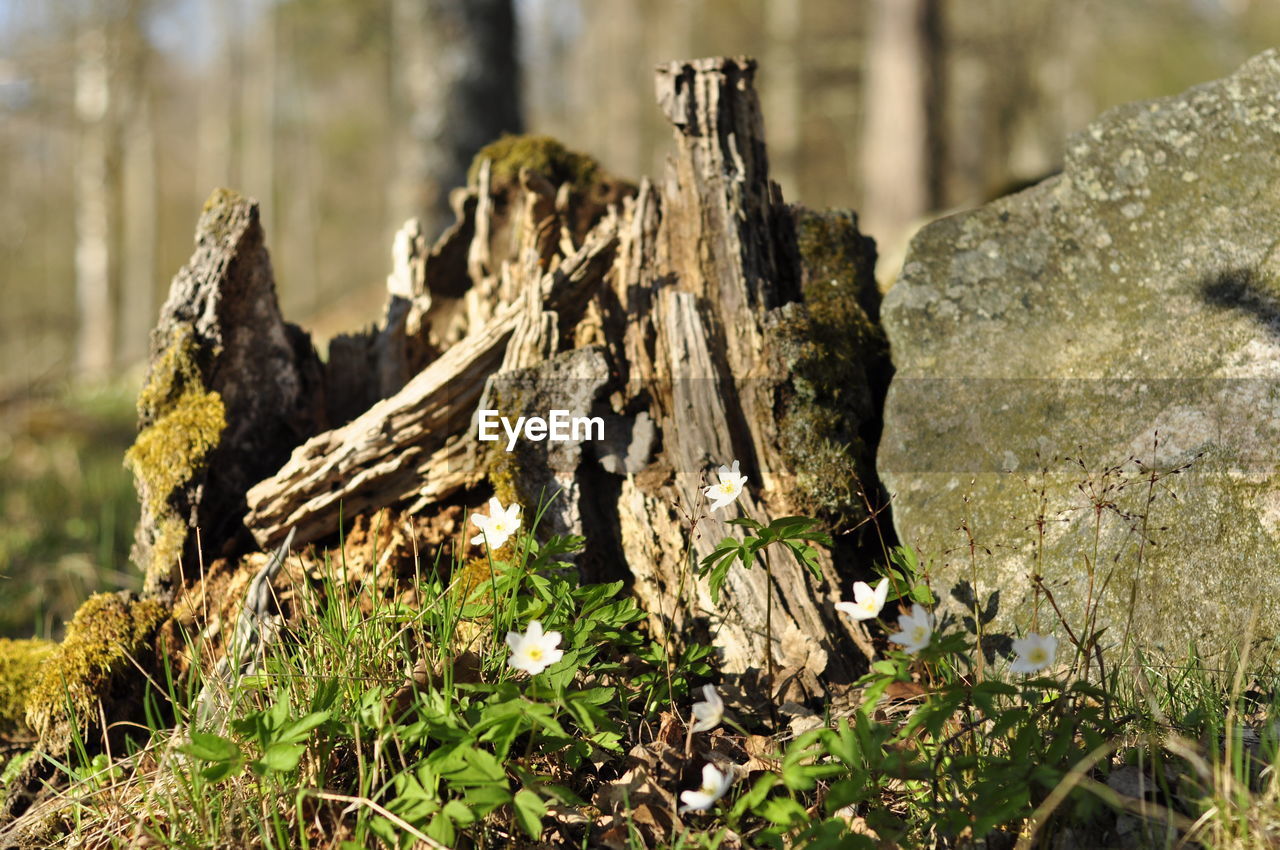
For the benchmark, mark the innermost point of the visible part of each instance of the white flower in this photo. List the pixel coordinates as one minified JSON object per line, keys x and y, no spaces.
{"x":533,"y":651}
{"x":500,"y":524}
{"x":867,"y":602}
{"x":1035,"y":652}
{"x":708,"y":714}
{"x":729,"y":488}
{"x":714,"y":786}
{"x":915,"y":629}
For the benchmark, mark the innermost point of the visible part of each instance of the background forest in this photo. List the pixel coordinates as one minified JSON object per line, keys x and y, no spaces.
{"x":345,"y":117}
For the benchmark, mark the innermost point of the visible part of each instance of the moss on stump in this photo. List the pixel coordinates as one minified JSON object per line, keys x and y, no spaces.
{"x":93,"y":664}
{"x":20,"y":663}
{"x":835,"y":354}
{"x":183,"y":421}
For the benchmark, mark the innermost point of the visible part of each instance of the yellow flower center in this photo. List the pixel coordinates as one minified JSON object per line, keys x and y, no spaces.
{"x":726,"y":488}
{"x":919,"y":634}
{"x":535,"y":653}
{"x":1038,"y":656}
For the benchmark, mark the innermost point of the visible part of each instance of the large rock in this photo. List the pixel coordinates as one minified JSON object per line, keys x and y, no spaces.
{"x":1136,"y":294}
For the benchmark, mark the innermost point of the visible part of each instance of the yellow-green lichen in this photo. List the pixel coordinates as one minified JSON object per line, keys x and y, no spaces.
{"x":503,"y":470}
{"x":831,"y":350}
{"x":183,"y":421}
{"x":20,"y":662}
{"x":540,"y":154}
{"x":219,"y":213}
{"x":107,"y":631}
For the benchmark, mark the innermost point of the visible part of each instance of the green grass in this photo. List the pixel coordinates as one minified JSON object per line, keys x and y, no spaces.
{"x":67,"y":505}
{"x":380,"y":719}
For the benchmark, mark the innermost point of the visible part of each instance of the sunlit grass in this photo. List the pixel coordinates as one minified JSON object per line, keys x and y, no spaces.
{"x":67,"y":505}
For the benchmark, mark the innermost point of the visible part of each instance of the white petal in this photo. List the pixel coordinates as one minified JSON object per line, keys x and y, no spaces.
{"x":695,"y":801}
{"x":711,"y":776}
{"x":882,"y":593}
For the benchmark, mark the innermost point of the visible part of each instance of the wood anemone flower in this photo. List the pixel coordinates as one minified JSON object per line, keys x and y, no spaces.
{"x":866,"y":603}
{"x":499,"y":525}
{"x":914,"y":629}
{"x":729,"y":488}
{"x":534,"y":651}
{"x":708,"y":714}
{"x":1035,"y":652}
{"x":714,"y":786}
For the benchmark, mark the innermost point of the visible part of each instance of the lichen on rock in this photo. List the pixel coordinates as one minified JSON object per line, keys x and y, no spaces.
{"x":1122,"y":313}
{"x":94,"y":663}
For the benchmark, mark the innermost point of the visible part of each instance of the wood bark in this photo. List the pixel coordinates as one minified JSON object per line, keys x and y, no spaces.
{"x":220,"y":344}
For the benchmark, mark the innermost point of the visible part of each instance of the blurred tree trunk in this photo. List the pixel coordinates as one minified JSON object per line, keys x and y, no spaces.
{"x":219,"y":122}
{"x":456,"y":76}
{"x":138,"y":188}
{"x":258,"y":110}
{"x":95,"y":335}
{"x":900,"y":146}
{"x":783,"y":97}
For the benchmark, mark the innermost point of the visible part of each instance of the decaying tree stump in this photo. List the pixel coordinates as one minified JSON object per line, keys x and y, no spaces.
{"x":676,"y":318}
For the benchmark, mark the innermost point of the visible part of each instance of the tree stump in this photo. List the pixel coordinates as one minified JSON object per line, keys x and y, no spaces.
{"x":681,"y":316}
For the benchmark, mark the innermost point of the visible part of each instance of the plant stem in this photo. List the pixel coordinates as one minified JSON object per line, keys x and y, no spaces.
{"x":768,"y":621}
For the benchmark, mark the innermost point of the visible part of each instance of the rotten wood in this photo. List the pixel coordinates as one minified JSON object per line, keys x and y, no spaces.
{"x":392,"y":451}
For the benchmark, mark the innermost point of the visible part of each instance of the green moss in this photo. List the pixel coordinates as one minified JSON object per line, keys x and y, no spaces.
{"x":839,"y":264}
{"x":20,"y":662}
{"x":183,"y":423}
{"x":541,"y":154}
{"x":501,"y":466}
{"x":85,"y":668}
{"x":831,"y":350}
{"x":503,"y":469}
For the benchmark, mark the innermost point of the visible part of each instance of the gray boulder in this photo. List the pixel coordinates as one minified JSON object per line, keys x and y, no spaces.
{"x":1058,"y":349}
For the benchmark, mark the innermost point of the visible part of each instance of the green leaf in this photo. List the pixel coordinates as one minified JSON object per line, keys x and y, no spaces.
{"x":457,"y":811}
{"x":209,"y":747}
{"x":529,"y":811}
{"x":295,"y":731}
{"x":280,"y":758}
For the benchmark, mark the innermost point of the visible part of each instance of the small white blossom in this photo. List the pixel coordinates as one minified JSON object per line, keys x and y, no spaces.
{"x":729,"y":488}
{"x":534,"y":651}
{"x":1035,"y":652}
{"x":707,"y":715}
{"x":714,"y":786}
{"x":866,"y":602}
{"x":915,"y":629}
{"x":500,"y":524}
